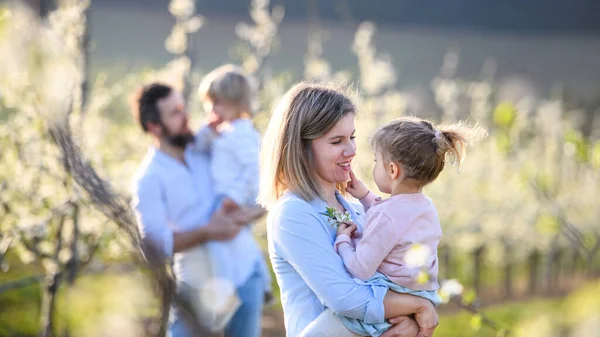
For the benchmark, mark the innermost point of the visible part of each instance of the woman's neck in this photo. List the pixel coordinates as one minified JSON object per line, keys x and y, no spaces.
{"x":330,"y":198}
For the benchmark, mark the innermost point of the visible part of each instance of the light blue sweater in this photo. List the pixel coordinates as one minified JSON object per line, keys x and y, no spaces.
{"x":310,"y":274}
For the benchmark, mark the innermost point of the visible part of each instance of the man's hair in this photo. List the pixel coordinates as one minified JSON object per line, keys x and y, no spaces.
{"x":144,"y":107}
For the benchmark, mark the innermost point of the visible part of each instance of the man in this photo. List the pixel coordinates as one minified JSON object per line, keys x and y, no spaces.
{"x":173,"y":195}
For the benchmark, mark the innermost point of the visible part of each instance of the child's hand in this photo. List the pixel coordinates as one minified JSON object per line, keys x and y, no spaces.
{"x":346,"y":228}
{"x":213,"y":121}
{"x":356,"y":188}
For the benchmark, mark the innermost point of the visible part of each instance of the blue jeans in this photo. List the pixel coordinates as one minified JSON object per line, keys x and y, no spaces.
{"x":247,"y":320}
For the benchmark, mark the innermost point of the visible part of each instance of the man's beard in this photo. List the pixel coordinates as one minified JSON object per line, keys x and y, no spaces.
{"x":179,"y":140}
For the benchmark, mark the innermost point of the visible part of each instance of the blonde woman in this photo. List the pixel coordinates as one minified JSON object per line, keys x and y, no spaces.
{"x":305,"y":163}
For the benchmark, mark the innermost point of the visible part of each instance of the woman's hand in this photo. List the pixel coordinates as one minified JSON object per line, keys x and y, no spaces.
{"x":396,"y":304}
{"x":346,"y":228}
{"x":356,"y":188}
{"x":404,"y":326}
{"x":427,"y":319}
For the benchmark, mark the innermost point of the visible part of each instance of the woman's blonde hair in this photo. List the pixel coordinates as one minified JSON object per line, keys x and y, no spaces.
{"x":307,"y":111}
{"x":231,"y":84}
{"x":421,"y":148}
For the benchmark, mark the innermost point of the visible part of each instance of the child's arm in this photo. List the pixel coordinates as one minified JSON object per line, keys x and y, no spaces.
{"x":379,"y":238}
{"x":204,"y":138}
{"x":359,"y":191}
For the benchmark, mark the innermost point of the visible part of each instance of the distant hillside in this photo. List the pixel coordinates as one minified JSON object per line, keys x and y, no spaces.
{"x":130,"y":34}
{"x":540,"y":16}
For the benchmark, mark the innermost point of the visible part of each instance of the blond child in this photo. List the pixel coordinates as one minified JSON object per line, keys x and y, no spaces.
{"x":409,"y":154}
{"x":233,"y":143}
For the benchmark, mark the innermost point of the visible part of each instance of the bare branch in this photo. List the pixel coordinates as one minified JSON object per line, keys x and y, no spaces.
{"x":4,"y":244}
{"x":93,"y":241}
{"x":114,"y":207}
{"x":32,"y":247}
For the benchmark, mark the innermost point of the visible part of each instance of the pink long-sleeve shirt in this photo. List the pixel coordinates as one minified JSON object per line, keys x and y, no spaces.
{"x":391,"y":227}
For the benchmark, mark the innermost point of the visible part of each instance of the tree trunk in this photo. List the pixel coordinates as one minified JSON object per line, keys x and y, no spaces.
{"x":72,"y":265}
{"x":574,"y":260}
{"x":592,"y":268}
{"x":508,"y":273}
{"x":534,"y":266}
{"x":445,"y":262}
{"x":549,"y":268}
{"x":45,"y":7}
{"x":477,"y":268}
{"x":48,"y":304}
{"x":556,"y":269}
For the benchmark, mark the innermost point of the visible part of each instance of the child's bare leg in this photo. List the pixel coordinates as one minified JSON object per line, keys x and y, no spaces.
{"x":327,"y":325}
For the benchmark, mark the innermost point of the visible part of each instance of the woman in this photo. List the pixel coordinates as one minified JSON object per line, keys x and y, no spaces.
{"x":305,"y":164}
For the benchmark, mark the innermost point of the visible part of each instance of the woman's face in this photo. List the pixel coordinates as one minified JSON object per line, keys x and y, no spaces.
{"x":334,"y":151}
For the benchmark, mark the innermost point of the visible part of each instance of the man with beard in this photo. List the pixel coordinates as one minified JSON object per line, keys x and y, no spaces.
{"x":172,"y":195}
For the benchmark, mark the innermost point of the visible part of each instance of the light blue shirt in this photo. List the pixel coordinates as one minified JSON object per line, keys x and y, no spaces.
{"x":235,"y":162}
{"x":169,"y":197}
{"x":234,"y":170}
{"x":310,"y":274}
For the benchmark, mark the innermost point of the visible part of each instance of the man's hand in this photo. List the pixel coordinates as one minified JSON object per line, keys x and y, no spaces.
{"x":247,"y":214}
{"x":227,"y":221}
{"x":356,"y":188}
{"x":223,"y":225}
{"x":404,"y":326}
{"x":427,"y":319}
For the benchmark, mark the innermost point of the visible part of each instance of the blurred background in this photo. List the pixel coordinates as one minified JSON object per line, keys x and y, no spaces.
{"x":521,"y":219}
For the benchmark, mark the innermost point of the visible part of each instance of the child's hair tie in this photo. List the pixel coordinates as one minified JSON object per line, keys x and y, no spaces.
{"x":438,"y":134}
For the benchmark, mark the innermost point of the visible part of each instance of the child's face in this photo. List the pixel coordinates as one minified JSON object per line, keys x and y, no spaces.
{"x":226,"y":111}
{"x":380,"y":174}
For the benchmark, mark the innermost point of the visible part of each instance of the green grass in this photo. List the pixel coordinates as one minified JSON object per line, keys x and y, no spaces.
{"x":20,"y":311}
{"x":92,"y":305}
{"x":97,"y":301}
{"x":124,"y":299}
{"x":507,"y":315}
{"x":19,"y":308}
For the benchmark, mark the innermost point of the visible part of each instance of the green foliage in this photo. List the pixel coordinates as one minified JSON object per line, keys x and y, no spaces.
{"x":475,"y":322}
{"x":548,"y":224}
{"x":577,"y":145}
{"x":505,"y":115}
